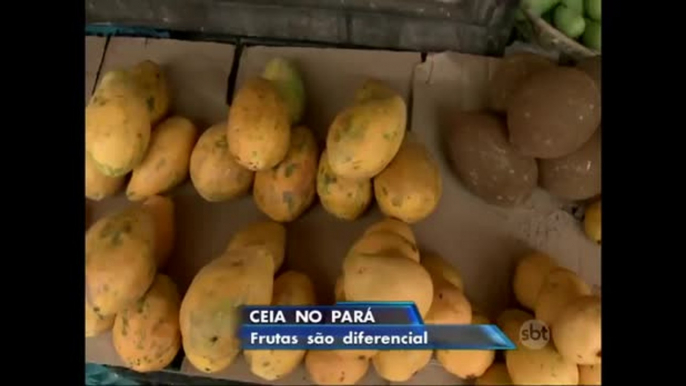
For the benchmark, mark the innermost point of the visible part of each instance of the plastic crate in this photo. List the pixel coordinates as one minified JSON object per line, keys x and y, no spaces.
{"x":471,"y":26}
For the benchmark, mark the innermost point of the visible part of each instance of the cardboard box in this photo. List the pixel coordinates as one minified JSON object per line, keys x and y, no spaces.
{"x":481,"y":240}
{"x":95,"y":49}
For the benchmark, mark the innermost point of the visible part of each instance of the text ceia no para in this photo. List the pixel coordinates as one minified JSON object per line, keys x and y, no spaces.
{"x":266,"y":316}
{"x":353,"y":338}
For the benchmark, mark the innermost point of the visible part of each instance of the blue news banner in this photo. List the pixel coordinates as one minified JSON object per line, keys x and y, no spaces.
{"x":360,"y":326}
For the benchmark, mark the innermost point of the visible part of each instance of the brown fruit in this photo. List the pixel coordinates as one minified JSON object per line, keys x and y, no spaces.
{"x":575,"y":176}
{"x":554,"y":113}
{"x":511,"y":73}
{"x":487,"y":164}
{"x":592,"y":66}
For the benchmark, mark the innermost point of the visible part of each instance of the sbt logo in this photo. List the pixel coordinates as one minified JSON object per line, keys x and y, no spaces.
{"x":534,"y":334}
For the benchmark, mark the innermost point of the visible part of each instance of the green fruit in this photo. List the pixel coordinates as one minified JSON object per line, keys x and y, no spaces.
{"x":286,"y":77}
{"x":569,"y":22}
{"x":591,"y":37}
{"x":575,"y":5}
{"x":593,"y":9}
{"x":539,"y":7}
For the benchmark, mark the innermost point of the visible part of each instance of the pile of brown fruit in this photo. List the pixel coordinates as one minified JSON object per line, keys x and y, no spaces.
{"x":543,"y":129}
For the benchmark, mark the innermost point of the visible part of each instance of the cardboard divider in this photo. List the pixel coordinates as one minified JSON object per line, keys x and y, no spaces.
{"x":95,"y":50}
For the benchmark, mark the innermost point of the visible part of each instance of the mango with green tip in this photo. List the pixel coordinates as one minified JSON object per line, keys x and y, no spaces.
{"x":287,"y":79}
